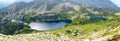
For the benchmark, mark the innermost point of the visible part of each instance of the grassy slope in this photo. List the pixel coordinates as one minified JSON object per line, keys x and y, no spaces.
{"x":92,"y":31}
{"x":103,"y":31}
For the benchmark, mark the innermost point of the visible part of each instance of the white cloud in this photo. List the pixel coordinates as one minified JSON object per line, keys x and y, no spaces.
{"x":4,"y":3}
{"x":7,"y":1}
{"x":11,"y":1}
{"x":117,"y":2}
{"x":23,"y":0}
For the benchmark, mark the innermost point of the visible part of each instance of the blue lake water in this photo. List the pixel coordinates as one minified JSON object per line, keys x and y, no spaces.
{"x":49,"y":25}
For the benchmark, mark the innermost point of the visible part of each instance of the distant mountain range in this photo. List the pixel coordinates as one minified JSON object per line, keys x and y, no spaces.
{"x":93,"y":3}
{"x":20,"y":9}
{"x":98,"y":3}
{"x":49,"y":3}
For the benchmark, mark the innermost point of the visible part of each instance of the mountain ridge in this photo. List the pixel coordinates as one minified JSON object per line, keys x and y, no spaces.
{"x":51,"y":7}
{"x":37,"y":3}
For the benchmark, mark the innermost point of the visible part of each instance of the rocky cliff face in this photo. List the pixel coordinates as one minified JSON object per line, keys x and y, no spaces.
{"x":98,"y":3}
{"x":21,"y":9}
{"x":38,"y":8}
{"x":51,"y":8}
{"x":50,"y":4}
